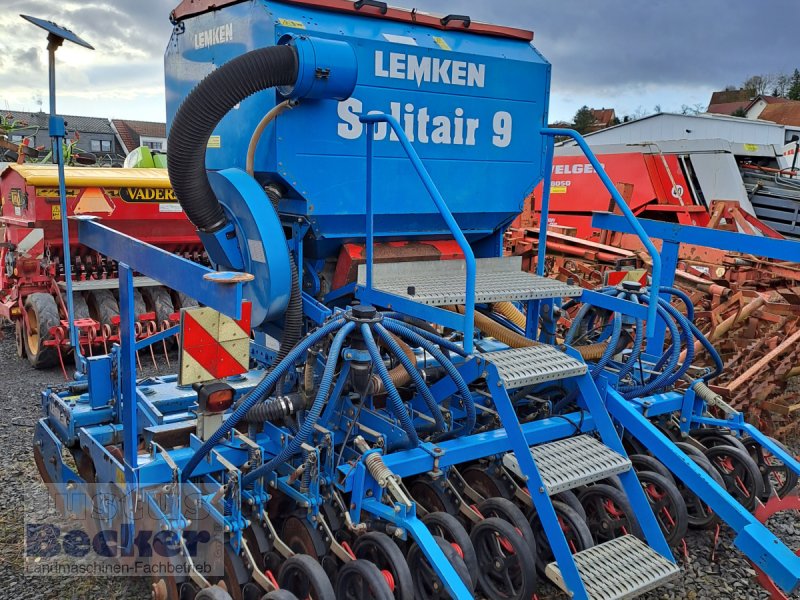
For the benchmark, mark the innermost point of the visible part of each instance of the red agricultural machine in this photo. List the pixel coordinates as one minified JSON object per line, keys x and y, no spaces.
{"x":137,"y":202}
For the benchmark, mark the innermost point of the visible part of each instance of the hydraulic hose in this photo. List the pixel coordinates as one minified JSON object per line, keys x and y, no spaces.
{"x":638,"y":345}
{"x":400,"y":376}
{"x":307,"y":428}
{"x":273,"y":114}
{"x":408,"y":333}
{"x":687,"y":302}
{"x":395,"y":402}
{"x":411,"y":368}
{"x":608,"y":354}
{"x":424,"y":334}
{"x":200,"y":113}
{"x":511,"y":312}
{"x":494,"y":329}
{"x":257,"y":393}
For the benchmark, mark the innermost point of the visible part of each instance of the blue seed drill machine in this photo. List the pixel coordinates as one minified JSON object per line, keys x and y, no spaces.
{"x":408,"y":422}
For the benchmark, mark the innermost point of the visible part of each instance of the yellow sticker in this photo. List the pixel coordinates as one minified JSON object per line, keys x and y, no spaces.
{"x":290,"y":23}
{"x":53,"y":192}
{"x":55,"y":212}
{"x":441,"y":43}
{"x":558,"y":189}
{"x":215,"y":141}
{"x":120,"y":476}
{"x":751,"y":147}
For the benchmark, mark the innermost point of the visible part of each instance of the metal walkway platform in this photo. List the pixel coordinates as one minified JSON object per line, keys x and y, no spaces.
{"x":622,"y":568}
{"x":440,"y":283}
{"x":89,"y":285}
{"x":519,"y":367}
{"x":568,"y":463}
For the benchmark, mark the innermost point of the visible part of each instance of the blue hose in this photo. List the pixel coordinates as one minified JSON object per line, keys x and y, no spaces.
{"x":686,"y":334}
{"x":611,"y":348}
{"x":418,"y":340}
{"x":431,"y":337}
{"x":411,"y":368}
{"x":687,"y":302}
{"x":255,"y":395}
{"x":307,"y":428}
{"x":395,"y":402}
{"x":638,"y":345}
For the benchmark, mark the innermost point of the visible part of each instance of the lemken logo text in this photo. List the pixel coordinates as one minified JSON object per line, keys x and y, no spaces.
{"x":212,"y":37}
{"x":396,"y":65}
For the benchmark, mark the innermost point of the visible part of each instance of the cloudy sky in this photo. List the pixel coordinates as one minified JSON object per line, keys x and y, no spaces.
{"x":628,"y":54}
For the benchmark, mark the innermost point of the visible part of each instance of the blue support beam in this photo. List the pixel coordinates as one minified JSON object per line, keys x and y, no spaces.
{"x":173,"y":271}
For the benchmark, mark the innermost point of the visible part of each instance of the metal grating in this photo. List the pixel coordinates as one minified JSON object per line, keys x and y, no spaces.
{"x":519,"y":367}
{"x":440,"y":283}
{"x":565,"y":464}
{"x":621,"y":568}
{"x":89,"y":285}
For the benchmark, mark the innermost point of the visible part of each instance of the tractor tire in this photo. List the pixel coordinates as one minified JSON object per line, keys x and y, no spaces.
{"x":158,"y":301}
{"x":103,"y":307}
{"x":80,"y":308}
{"x":42,"y":313}
{"x":139,"y":306}
{"x":184,"y":301}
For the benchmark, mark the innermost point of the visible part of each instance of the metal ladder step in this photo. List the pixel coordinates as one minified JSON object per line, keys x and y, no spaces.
{"x":621,"y":568}
{"x":570,"y":462}
{"x":518,"y":367}
{"x":440,"y":283}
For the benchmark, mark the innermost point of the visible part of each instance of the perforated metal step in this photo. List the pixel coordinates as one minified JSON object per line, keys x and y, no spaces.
{"x":622,"y":568}
{"x":519,"y":367}
{"x":566,"y":464}
{"x":439,"y":283}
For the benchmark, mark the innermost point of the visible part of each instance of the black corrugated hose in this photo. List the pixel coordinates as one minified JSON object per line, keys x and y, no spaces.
{"x":201,"y":111}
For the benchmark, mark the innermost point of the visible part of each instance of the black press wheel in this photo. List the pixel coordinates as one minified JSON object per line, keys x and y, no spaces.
{"x":380,"y":550}
{"x":714,"y":436}
{"x":608,"y":513}
{"x":279,"y":595}
{"x":777,"y":477}
{"x":41,"y":314}
{"x":213,"y":593}
{"x":699,"y":514}
{"x":511,"y":513}
{"x":433,"y":495}
{"x":667,"y":504}
{"x":305,"y":578}
{"x":644,"y":462}
{"x":740,"y":473}
{"x":449,"y":528}
{"x":488,"y":480}
{"x":361,"y":580}
{"x":569,"y":498}
{"x":505,"y":561}
{"x":427,"y":584}
{"x":575,"y":530}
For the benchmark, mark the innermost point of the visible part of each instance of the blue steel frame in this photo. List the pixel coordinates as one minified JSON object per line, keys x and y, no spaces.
{"x":464,"y":322}
{"x":630,"y":218}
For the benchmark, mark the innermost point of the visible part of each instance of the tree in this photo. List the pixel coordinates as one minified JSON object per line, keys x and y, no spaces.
{"x":694,"y":109}
{"x":739,"y":112}
{"x":583,"y":119}
{"x":782,"y":83}
{"x":759,"y":84}
{"x":793,"y":93}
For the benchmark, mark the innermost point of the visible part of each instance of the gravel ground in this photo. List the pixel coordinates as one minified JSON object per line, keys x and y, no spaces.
{"x":725,"y":575}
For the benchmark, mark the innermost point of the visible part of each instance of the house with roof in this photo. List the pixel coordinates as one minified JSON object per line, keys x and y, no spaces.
{"x":728,"y":102}
{"x":133,"y":134}
{"x":95,"y":136}
{"x":785,"y":113}
{"x":603,"y":118}
{"x":759,"y":103}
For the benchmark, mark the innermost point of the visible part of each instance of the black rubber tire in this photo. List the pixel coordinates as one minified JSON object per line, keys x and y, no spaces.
{"x":787,"y":479}
{"x":632,"y":445}
{"x":716,"y":437}
{"x":575,"y":529}
{"x":488,"y":480}
{"x":511,"y":513}
{"x":79,"y":307}
{"x":699,"y":515}
{"x":450,"y":529}
{"x":501,"y":550}
{"x":644,"y":462}
{"x":380,"y":550}
{"x":745,"y":482}
{"x":42,"y":313}
{"x":604,"y":524}
{"x":433,"y":496}
{"x":689,"y":450}
{"x":279,"y":595}
{"x":570,"y":498}
{"x":213,"y":593}
{"x":427,"y":585}
{"x":139,"y":307}
{"x":181,"y":300}
{"x":361,"y":580}
{"x":158,"y":300}
{"x":667,"y":504}
{"x":103,"y":307}
{"x":305,"y":578}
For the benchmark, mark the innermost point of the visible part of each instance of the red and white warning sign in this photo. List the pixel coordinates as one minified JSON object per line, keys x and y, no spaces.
{"x":213,"y":346}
